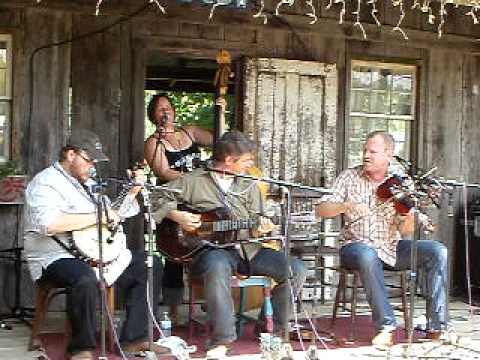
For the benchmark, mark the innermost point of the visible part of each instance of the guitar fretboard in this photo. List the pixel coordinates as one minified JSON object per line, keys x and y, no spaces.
{"x":231,"y":225}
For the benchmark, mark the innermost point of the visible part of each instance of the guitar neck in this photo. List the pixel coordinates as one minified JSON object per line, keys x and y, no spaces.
{"x":232,"y":225}
{"x":305,"y":218}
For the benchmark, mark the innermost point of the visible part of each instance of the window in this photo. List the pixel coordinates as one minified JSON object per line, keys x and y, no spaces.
{"x":382,"y":97}
{"x":5,"y":95}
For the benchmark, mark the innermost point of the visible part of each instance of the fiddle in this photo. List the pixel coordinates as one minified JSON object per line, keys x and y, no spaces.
{"x":396,"y":189}
{"x":400,"y":190}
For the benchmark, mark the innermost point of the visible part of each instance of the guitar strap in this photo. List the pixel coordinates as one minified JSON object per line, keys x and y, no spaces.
{"x":68,"y":249}
{"x":224,"y":201}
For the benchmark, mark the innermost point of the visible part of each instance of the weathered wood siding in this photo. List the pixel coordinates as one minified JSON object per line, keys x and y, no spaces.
{"x":106,"y":74}
{"x":290,"y":111}
{"x":96,"y":60}
{"x":51,"y":79}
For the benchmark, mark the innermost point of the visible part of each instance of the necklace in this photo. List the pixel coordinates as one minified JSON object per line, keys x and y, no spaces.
{"x":174,"y":139}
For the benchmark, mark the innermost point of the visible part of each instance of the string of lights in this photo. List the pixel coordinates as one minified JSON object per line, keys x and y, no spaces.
{"x":435,"y":15}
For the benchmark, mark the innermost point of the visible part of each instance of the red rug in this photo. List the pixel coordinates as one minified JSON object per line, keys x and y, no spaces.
{"x":248,"y":344}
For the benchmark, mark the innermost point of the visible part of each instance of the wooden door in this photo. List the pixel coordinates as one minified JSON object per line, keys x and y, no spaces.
{"x":290,"y":110}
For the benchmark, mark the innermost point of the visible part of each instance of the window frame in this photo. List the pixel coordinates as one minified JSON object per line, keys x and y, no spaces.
{"x":414,"y":119}
{"x":7,"y":98}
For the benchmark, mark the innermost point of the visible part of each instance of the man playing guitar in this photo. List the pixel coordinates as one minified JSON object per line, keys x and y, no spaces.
{"x":214,"y":188}
{"x":58,"y":201}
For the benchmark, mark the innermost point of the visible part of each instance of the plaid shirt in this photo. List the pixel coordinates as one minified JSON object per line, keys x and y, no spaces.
{"x":380,"y":228}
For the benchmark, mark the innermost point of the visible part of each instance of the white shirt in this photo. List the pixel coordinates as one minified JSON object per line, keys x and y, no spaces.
{"x":51,"y":193}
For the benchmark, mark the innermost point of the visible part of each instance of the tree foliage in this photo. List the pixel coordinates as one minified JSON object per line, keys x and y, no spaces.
{"x":191,"y":109}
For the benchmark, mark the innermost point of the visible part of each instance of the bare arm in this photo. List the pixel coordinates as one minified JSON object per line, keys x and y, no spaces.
{"x":185,"y":219}
{"x":331,"y":209}
{"x":406,"y":225}
{"x":157,"y":160}
{"x":68,"y":222}
{"x":199,"y":135}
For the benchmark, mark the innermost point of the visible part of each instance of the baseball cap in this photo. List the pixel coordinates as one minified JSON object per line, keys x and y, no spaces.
{"x":89,"y":142}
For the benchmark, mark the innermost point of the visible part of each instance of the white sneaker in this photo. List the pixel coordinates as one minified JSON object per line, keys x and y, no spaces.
{"x":384,"y":338}
{"x":217,"y":352}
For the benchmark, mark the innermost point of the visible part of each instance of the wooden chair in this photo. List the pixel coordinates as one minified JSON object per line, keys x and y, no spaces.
{"x":355,"y":283}
{"x":237,"y":282}
{"x":45,"y":292}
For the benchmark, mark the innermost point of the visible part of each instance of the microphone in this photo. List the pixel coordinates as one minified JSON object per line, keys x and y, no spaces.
{"x":164,"y":119}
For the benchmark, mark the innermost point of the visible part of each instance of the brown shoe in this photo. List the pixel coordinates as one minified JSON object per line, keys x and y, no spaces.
{"x":384,"y":338}
{"x":82,"y":355}
{"x":433,"y":335}
{"x":141,"y":346}
{"x":446,"y":336}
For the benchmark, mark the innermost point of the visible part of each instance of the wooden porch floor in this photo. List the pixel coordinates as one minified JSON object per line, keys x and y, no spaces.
{"x":13,"y":343}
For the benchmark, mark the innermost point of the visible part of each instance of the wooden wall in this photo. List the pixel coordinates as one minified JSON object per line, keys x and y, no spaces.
{"x":106,"y":71}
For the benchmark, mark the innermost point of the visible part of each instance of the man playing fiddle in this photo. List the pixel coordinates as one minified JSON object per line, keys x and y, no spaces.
{"x":217,"y":187}
{"x":376,"y":237}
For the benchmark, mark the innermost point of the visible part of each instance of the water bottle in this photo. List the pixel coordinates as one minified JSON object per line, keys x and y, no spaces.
{"x":166,"y":325}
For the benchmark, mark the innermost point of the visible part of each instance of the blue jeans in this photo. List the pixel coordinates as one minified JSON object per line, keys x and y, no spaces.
{"x":431,"y":263}
{"x":216,"y":267}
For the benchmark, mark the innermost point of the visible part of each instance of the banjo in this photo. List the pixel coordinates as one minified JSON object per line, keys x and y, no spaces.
{"x":85,"y":243}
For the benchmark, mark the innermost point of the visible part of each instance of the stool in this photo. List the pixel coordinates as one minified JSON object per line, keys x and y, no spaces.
{"x":237,"y":282}
{"x":354,"y":285}
{"x":45,"y":292}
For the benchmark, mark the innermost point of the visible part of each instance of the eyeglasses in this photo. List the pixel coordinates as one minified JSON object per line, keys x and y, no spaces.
{"x":91,"y":162}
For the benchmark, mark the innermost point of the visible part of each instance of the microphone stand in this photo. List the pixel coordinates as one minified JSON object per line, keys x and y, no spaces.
{"x":445,"y":184}
{"x":280,"y":183}
{"x":286,"y":210}
{"x":149,"y":261}
{"x":100,"y":202}
{"x":413,"y":271}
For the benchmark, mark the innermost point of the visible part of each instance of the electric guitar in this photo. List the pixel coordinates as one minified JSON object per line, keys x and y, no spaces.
{"x":218,"y":229}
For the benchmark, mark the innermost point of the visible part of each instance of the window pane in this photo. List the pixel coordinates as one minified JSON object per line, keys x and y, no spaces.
{"x":360,"y":101}
{"x":358,"y":128}
{"x":400,"y":130}
{"x":4,"y":123}
{"x":402,"y":83}
{"x":377,"y":124}
{"x":379,"y":103}
{"x":3,"y":54}
{"x":361,"y":79}
{"x":380,"y":79}
{"x":3,"y":82}
{"x":5,"y":96}
{"x":379,"y":93}
{"x":401,"y":103}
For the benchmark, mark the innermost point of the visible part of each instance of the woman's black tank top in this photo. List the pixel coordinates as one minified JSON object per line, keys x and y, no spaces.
{"x":186,"y":159}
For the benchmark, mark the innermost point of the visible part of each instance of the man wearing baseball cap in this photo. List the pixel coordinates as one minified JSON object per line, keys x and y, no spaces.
{"x":89,"y":142}
{"x":58,"y":201}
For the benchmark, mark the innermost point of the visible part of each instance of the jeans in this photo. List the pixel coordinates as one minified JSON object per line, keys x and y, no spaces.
{"x":216,"y":267}
{"x":431,"y":262}
{"x":172,"y":286}
{"x":82,"y":292}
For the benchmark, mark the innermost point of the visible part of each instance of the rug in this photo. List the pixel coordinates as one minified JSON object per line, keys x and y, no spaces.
{"x":332,"y":337}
